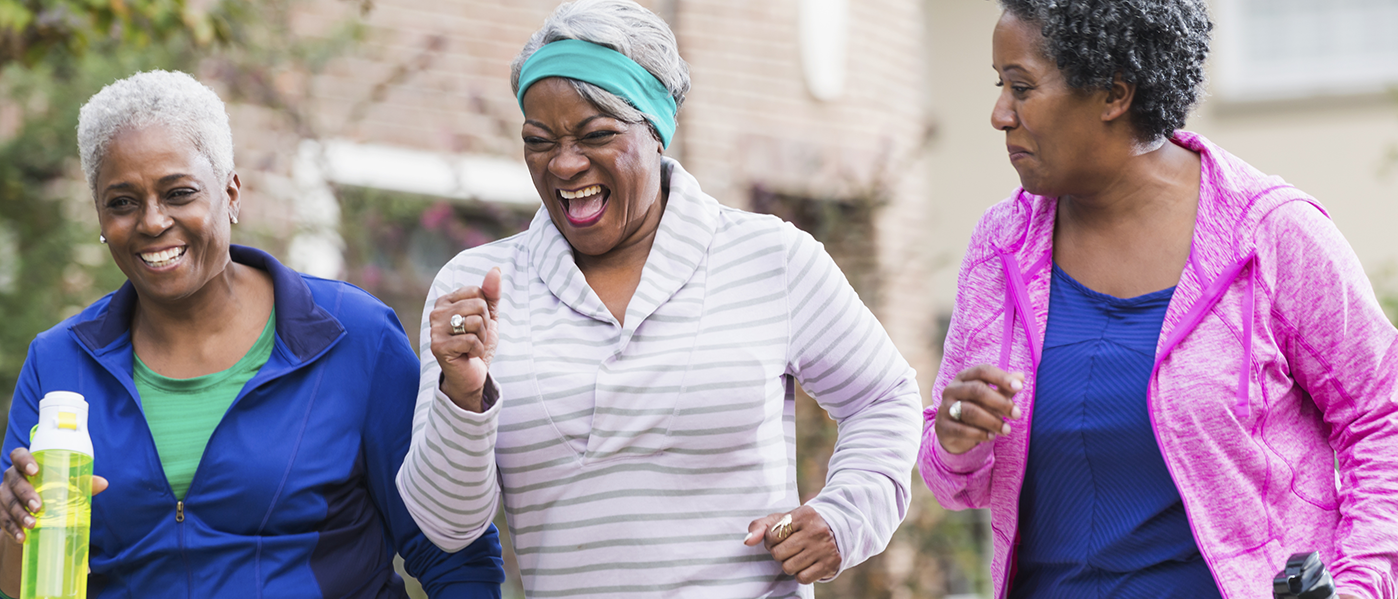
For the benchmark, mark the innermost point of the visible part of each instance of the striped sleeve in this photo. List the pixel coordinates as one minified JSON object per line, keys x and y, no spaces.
{"x":448,"y":479}
{"x":843,"y":357}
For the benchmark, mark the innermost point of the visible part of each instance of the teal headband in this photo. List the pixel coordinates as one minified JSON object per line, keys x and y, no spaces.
{"x":607,"y":69}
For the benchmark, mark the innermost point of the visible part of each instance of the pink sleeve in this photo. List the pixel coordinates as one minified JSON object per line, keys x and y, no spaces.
{"x":958,"y":481}
{"x":1344,"y":352}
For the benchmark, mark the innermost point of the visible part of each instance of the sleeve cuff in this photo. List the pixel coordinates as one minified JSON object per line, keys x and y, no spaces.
{"x":490,"y":400}
{"x":964,"y":463}
{"x":468,"y":590}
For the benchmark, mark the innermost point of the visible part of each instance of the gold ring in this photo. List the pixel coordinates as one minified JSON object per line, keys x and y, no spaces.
{"x":782,"y":529}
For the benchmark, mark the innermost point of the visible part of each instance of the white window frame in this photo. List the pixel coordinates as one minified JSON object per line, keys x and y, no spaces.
{"x":317,"y":247}
{"x":1347,"y":68}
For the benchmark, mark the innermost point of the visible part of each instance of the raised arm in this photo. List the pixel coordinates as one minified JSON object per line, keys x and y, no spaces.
{"x":448,"y":480}
{"x":472,"y":573}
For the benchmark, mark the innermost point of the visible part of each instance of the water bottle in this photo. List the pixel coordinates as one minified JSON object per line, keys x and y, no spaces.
{"x":55,"y":550}
{"x":1304,"y":577}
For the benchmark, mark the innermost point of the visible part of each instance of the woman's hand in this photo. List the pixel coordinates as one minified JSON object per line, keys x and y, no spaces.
{"x":465,"y":353}
{"x":985,"y":394}
{"x":19,"y":498}
{"x":808,"y":552}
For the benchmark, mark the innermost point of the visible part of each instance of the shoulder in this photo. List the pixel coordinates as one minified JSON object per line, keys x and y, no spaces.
{"x":1007,"y":225}
{"x":743,"y":235}
{"x":59,"y":338}
{"x":1297,"y":232}
{"x":358,"y":311}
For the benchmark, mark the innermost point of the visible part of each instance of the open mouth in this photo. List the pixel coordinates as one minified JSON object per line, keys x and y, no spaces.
{"x":585,"y":206}
{"x":163,"y":258}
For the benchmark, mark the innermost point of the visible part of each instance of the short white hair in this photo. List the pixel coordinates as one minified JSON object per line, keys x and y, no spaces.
{"x":621,"y":25}
{"x":170,"y":99}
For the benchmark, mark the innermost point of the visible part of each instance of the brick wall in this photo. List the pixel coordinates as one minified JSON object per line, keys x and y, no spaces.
{"x":749,"y":120}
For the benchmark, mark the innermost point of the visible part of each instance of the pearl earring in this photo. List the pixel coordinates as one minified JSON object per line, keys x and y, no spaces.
{"x":102,"y":238}
{"x":234,"y":218}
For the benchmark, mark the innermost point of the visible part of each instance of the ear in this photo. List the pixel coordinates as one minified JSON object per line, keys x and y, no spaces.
{"x":1118,"y":100}
{"x":234,"y":191}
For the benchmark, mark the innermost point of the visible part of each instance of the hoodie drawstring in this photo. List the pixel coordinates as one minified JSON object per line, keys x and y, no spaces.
{"x":1017,"y":304}
{"x":1241,"y":407}
{"x":1201,"y":307}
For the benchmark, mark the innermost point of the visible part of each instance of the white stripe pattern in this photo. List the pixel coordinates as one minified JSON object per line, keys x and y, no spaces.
{"x":632,"y":458}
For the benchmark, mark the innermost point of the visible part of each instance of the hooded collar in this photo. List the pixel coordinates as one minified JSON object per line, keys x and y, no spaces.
{"x":686,"y":229}
{"x":304,"y":327}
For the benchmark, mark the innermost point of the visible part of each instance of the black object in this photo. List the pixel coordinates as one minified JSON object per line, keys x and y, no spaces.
{"x":1305,"y":577}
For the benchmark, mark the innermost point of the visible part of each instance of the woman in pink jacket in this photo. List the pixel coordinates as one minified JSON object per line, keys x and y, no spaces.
{"x":1166,"y":371}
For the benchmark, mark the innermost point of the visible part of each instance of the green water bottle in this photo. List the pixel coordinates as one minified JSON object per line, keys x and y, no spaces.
{"x":55,"y":550}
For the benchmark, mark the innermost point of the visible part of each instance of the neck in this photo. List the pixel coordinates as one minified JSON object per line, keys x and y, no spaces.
{"x":1151,"y":179}
{"x":205,"y":313}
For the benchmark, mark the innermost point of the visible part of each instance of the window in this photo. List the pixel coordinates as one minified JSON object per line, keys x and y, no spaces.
{"x":1282,"y":49}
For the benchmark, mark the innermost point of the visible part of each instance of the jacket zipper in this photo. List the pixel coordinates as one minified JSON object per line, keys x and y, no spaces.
{"x":184,"y":556}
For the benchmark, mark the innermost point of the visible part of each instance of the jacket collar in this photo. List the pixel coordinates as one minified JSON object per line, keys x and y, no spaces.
{"x":1233,"y":198}
{"x":305,"y":328}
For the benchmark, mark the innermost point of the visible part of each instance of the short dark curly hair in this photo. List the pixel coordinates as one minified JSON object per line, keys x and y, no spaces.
{"x":1159,"y":45}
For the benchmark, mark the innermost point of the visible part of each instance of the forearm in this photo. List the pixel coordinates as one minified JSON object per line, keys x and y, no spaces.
{"x":868,"y":488}
{"x":11,"y":561}
{"x":448,"y":480}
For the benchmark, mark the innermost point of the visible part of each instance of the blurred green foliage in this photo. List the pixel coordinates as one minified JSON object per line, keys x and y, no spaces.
{"x":33,"y":32}
{"x":54,"y":54}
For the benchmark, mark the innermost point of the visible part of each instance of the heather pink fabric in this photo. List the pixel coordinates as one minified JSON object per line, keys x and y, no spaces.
{"x":1256,"y":470}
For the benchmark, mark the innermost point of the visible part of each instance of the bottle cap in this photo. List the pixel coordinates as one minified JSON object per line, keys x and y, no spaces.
{"x":62,"y":424}
{"x":63,"y":398}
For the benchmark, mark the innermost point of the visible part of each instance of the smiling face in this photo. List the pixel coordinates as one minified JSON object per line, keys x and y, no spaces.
{"x":1057,"y":137}
{"x":164,"y":213}
{"x":598,"y":177}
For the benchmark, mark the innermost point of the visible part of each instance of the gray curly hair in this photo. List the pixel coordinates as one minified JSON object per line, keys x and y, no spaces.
{"x":171,"y":99}
{"x":1159,"y":45}
{"x":621,"y":25}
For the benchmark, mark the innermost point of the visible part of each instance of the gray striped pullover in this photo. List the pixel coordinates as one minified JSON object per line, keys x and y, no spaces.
{"x":632,"y":458}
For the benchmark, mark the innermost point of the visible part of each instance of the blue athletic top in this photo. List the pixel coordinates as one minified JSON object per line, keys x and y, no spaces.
{"x":1100,"y":516}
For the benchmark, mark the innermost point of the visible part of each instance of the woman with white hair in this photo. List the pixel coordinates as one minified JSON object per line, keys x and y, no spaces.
{"x":250,"y":419}
{"x":622,"y":372}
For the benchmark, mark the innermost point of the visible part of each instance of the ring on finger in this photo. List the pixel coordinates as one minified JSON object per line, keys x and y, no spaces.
{"x":458,"y":324}
{"x":782,"y":529}
{"x":955,"y":410}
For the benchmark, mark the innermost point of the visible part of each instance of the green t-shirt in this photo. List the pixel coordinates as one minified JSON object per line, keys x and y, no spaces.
{"x":182,"y":413}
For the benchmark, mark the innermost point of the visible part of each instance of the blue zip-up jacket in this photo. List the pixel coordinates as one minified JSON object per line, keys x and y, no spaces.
{"x":294,"y":496}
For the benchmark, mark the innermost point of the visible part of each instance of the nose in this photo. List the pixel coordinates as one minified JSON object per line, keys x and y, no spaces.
{"x":569,"y":162}
{"x":1003,"y":116}
{"x":154,"y":220}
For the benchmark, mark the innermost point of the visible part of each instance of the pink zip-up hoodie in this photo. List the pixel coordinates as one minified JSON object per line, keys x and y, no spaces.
{"x":1274,"y":364}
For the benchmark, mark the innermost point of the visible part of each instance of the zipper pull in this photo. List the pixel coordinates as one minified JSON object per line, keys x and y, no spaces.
{"x":179,"y":511}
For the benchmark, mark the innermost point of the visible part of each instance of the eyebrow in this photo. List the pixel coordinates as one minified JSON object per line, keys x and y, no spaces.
{"x":580,"y":125}
{"x":163,"y":180}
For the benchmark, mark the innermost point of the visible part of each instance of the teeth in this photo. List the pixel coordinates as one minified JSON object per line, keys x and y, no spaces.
{"x":581,"y":193}
{"x":163,"y":257}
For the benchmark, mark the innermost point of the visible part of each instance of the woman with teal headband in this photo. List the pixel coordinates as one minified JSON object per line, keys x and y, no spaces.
{"x":621,"y":374}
